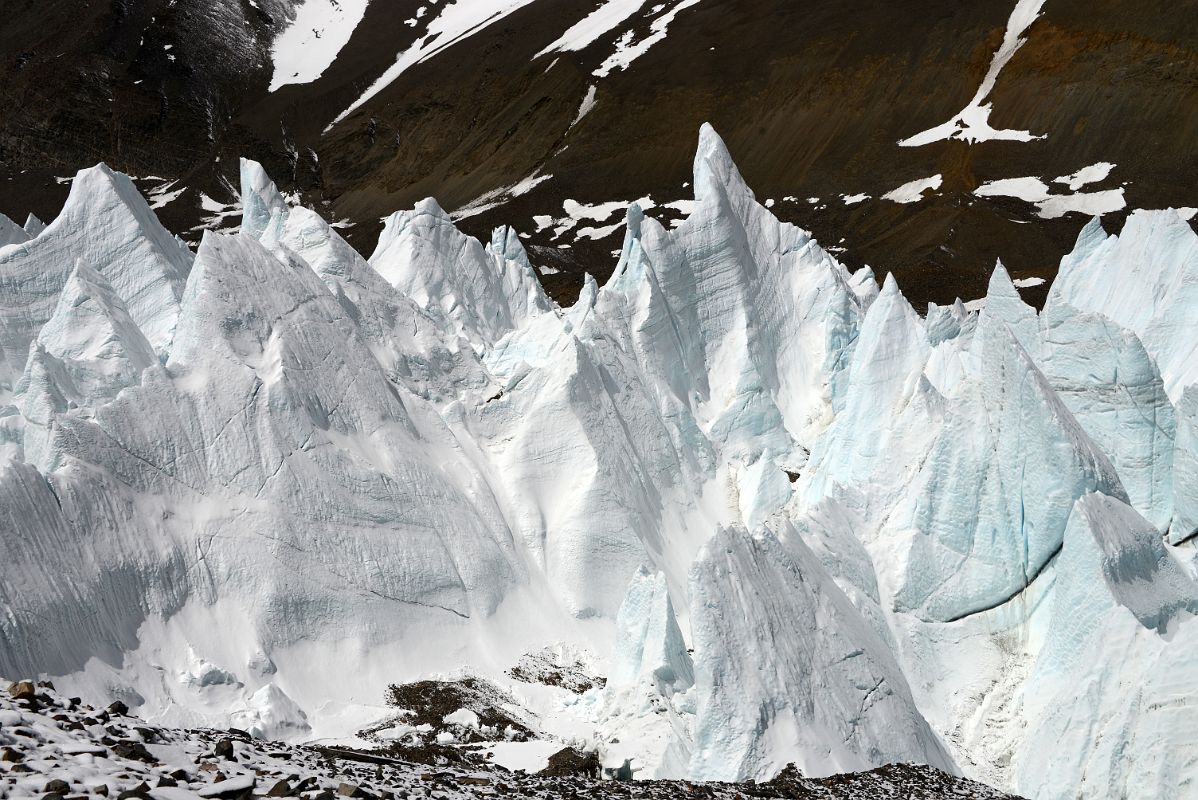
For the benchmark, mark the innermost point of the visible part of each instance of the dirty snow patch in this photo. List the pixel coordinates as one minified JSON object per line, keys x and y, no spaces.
{"x":531,"y":756}
{"x":1052,"y":206}
{"x":164,"y":194}
{"x":588,"y":103}
{"x":497,"y":197}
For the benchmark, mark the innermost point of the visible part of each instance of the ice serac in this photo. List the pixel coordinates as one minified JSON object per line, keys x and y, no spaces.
{"x":775,"y":316}
{"x":746,"y":323}
{"x":1110,"y":384}
{"x":1146,"y":280}
{"x":260,"y":200}
{"x":788,"y":670}
{"x":1004,"y":303}
{"x":481,"y":293}
{"x":271,"y":415}
{"x":61,"y":609}
{"x":647,"y":711}
{"x":88,"y":351}
{"x":271,"y":715}
{"x":833,"y":534}
{"x":584,"y":481}
{"x":11,"y":232}
{"x":34,"y":226}
{"x":932,"y":533}
{"x":411,"y":344}
{"x":108,"y":225}
{"x":1185,"y":469}
{"x":650,"y":647}
{"x":865,"y":285}
{"x":889,"y":416}
{"x":288,"y":372}
{"x":988,"y":507}
{"x":1122,"y":616}
{"x":945,"y":323}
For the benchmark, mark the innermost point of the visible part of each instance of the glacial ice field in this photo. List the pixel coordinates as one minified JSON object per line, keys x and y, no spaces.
{"x":789,"y":517}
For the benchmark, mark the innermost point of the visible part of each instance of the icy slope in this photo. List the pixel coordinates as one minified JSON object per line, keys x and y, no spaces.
{"x":790,"y":518}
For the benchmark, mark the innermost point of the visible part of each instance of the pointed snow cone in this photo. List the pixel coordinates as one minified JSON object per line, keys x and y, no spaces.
{"x":1004,"y":303}
{"x":87,"y":352}
{"x":889,"y":409}
{"x":108,"y":225}
{"x":716,"y":176}
{"x":34,"y":226}
{"x":91,"y":327}
{"x":650,"y":648}
{"x":481,"y":294}
{"x":261,"y":204}
{"x":11,"y":232}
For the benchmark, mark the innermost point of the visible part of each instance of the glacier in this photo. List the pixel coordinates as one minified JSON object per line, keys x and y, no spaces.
{"x":790,"y":517}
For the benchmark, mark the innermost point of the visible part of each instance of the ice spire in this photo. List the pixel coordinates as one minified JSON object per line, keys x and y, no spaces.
{"x":11,"y":232}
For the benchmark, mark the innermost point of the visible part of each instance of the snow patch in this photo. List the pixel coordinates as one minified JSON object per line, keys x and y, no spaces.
{"x":972,"y":123}
{"x":629,"y":48}
{"x":310,"y":44}
{"x":588,"y":103}
{"x":1085,"y":175}
{"x":457,"y":20}
{"x":912,"y":191}
{"x":607,"y":17}
{"x":1051,"y":206}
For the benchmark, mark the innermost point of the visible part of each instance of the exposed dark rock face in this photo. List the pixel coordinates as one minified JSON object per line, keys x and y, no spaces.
{"x":811,"y":97}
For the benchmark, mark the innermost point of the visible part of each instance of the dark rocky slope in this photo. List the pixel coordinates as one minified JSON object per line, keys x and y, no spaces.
{"x":812,"y":98}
